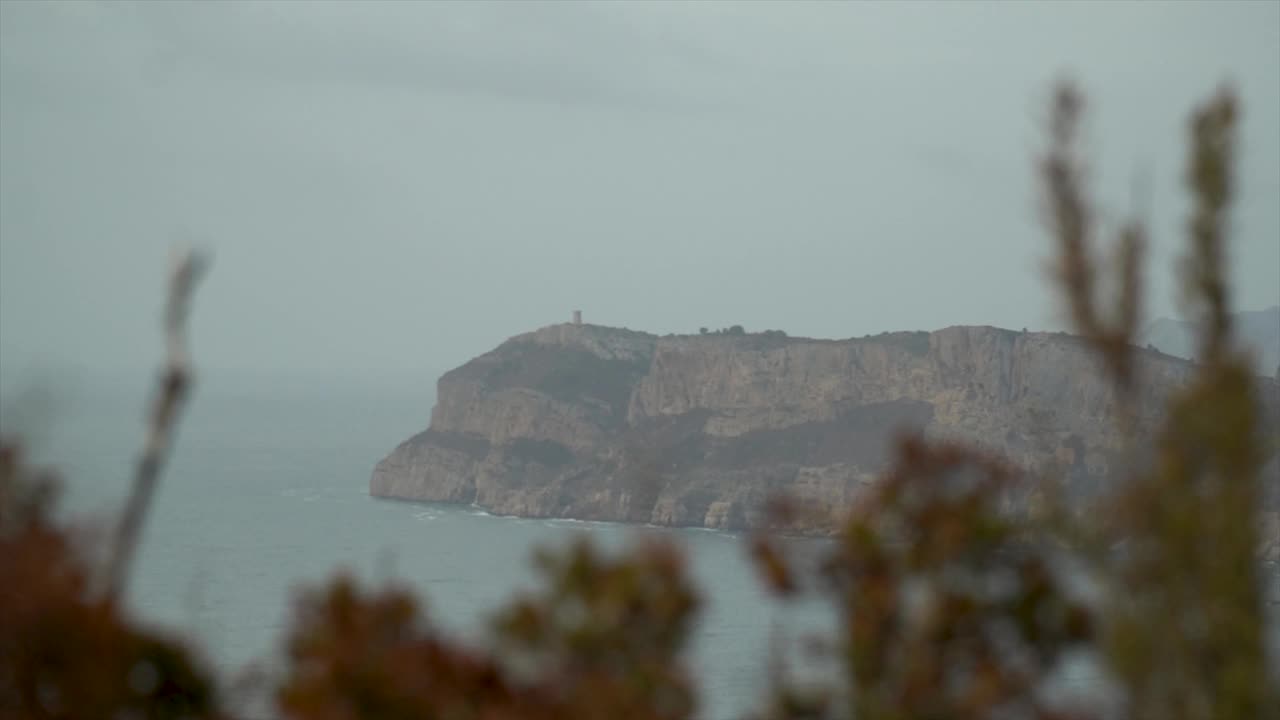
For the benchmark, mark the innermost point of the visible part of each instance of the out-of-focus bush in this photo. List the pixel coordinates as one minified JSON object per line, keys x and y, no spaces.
{"x":66,"y":651}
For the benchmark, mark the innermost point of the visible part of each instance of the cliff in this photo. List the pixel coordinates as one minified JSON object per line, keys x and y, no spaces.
{"x":593,"y":422}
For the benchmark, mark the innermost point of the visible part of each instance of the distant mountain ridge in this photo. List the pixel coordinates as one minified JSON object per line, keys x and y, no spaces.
{"x":1258,"y":330}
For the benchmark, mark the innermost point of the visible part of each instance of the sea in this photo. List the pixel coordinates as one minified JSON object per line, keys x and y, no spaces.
{"x":266,"y":493}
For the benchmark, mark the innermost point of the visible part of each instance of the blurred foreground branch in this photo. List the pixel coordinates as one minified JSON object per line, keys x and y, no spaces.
{"x":171,"y":393}
{"x":69,"y":650}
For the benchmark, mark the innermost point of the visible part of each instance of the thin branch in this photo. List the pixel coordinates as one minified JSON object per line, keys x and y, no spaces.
{"x":1070,"y":218}
{"x":171,"y":393}
{"x":1068,"y":212}
{"x":1131,"y":249}
{"x":1209,"y":179}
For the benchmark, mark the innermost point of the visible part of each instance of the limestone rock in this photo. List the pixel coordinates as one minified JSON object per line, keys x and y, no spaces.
{"x":600,"y":423}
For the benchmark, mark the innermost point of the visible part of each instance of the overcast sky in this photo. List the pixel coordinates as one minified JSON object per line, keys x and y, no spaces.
{"x":398,"y":187}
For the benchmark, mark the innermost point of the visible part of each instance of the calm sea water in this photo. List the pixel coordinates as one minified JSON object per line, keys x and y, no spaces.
{"x":267,"y":492}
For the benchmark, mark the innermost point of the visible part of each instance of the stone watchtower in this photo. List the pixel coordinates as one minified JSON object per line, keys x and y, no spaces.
{"x":577,"y":317}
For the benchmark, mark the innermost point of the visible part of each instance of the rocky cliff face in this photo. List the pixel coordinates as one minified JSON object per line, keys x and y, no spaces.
{"x":600,"y":423}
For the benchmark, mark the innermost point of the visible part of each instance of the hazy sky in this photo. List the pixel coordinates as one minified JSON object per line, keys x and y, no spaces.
{"x":398,"y":186}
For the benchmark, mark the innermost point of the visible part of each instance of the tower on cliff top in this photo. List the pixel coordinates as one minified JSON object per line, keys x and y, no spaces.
{"x":577,"y":317}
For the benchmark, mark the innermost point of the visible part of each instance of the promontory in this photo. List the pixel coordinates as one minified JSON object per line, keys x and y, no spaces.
{"x":592,"y":422}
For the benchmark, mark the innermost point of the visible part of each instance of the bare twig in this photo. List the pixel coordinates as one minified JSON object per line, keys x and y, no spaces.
{"x":1068,"y":212}
{"x":171,"y":392}
{"x":1209,"y":179}
{"x":1130,"y":253}
{"x":1070,"y":217}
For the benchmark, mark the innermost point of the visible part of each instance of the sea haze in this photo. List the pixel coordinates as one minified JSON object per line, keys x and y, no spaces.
{"x":267,"y":490}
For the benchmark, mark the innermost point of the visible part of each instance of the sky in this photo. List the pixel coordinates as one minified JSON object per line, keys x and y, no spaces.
{"x":397,"y":187}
